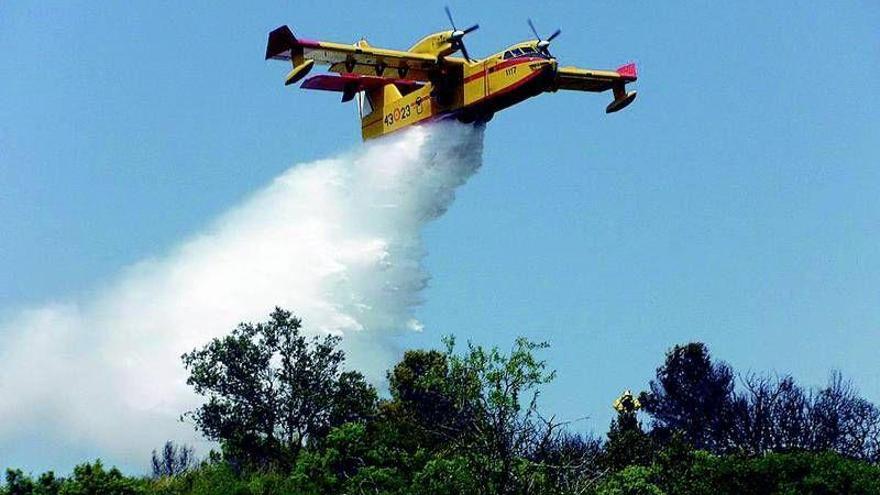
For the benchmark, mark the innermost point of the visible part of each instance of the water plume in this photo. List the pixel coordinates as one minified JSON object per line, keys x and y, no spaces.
{"x":337,"y":241}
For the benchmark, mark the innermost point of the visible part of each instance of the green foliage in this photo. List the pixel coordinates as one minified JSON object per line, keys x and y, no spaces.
{"x":221,"y":479}
{"x":326,"y":470}
{"x":627,"y":444}
{"x":87,"y":479}
{"x":444,"y":475}
{"x":502,"y":391}
{"x":632,"y":480}
{"x":18,"y":483}
{"x":270,"y":390}
{"x":694,"y":396}
{"x":472,"y":417}
{"x":680,"y":470}
{"x":94,"y":479}
{"x":291,"y":421}
{"x":426,"y":410}
{"x":339,"y":470}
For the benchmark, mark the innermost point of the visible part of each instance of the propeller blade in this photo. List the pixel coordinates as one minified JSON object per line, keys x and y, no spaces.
{"x":532,"y":25}
{"x":472,"y":28}
{"x":456,"y":38}
{"x":555,"y":34}
{"x":449,"y":15}
{"x":464,"y":52}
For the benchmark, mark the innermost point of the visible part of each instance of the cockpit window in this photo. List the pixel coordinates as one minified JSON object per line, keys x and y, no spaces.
{"x":524,"y":50}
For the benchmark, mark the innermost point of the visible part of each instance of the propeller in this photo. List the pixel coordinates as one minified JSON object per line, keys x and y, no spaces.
{"x":544,"y":45}
{"x":457,"y":37}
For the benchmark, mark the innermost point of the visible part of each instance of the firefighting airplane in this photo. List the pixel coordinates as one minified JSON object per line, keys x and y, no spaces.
{"x":396,"y":89}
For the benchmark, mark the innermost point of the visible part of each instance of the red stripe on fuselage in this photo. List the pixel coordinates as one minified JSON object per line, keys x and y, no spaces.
{"x":513,"y":61}
{"x":474,"y":77}
{"x":518,"y":84}
{"x":509,"y":89}
{"x":502,"y":65}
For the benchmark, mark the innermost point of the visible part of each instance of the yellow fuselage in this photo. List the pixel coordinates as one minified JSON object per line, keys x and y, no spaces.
{"x":483,"y":88}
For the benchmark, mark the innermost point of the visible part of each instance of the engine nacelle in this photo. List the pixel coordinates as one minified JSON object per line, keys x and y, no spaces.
{"x":439,"y":44}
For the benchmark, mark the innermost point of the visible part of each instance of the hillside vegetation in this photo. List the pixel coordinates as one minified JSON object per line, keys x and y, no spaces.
{"x":291,"y":419}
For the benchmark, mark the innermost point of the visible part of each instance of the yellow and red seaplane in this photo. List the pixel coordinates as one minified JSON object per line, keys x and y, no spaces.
{"x":396,"y":89}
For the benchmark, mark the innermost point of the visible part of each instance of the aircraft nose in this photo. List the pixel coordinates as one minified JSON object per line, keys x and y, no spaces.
{"x":551,"y":65}
{"x":546,"y":66}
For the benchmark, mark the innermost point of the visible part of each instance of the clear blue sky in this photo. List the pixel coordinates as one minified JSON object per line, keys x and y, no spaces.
{"x":736,"y":202}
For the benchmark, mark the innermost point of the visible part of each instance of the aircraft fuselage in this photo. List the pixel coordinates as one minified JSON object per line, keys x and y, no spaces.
{"x":396,"y":89}
{"x":483,"y":88}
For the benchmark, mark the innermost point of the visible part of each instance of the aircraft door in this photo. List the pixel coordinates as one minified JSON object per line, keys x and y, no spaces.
{"x":474,"y":83}
{"x":485,"y":78}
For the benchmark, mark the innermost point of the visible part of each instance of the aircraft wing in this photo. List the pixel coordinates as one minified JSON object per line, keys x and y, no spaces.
{"x":359,"y":58}
{"x":597,"y":81}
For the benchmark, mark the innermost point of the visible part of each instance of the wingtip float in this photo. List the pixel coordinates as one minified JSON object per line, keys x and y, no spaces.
{"x":397,"y":89}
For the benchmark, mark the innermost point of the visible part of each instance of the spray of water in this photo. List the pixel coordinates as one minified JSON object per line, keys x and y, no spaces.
{"x":336,"y":241}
